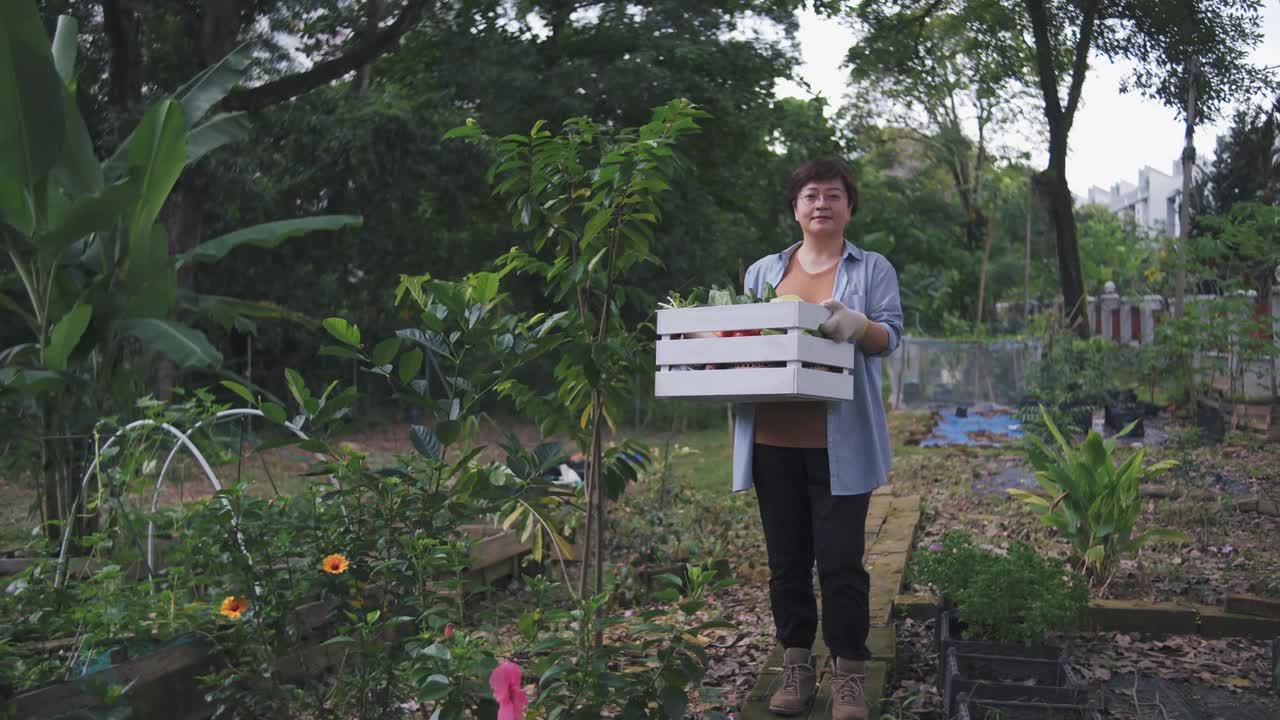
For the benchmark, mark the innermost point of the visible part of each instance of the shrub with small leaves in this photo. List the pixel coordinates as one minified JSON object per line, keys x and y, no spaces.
{"x":1005,"y":595}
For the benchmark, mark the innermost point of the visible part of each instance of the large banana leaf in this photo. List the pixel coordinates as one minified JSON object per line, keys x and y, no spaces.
{"x":185,"y":346}
{"x":207,"y":89}
{"x":77,"y":169}
{"x":64,"y":49}
{"x":229,"y":312}
{"x":66,"y":335}
{"x":196,"y":97}
{"x":31,"y":124}
{"x":221,"y":129}
{"x":157,"y":152}
{"x":267,"y":235}
{"x":150,"y":286}
{"x":88,"y":214}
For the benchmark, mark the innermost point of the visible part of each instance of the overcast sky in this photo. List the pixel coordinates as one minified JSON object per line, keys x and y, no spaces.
{"x":1113,"y":135}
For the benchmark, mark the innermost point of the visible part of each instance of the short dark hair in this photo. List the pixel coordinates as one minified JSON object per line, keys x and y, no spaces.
{"x":819,"y":170}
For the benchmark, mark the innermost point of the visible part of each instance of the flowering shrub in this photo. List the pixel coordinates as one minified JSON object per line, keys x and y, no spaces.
{"x":347,"y":599}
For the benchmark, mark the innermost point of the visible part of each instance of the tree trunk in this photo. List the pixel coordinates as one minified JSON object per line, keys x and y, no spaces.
{"x":1026,"y":265}
{"x":123,"y":30}
{"x":220,"y":25}
{"x":982,"y":276}
{"x":1184,"y":212}
{"x":1052,"y":187}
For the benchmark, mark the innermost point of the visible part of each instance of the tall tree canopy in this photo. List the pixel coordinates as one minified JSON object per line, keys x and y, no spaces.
{"x":1063,"y":36}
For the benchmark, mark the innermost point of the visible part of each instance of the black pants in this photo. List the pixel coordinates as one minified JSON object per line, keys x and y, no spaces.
{"x":803,"y":521}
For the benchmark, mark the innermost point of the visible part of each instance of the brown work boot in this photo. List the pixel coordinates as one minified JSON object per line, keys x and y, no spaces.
{"x":799,"y":683}
{"x":848,"y":690}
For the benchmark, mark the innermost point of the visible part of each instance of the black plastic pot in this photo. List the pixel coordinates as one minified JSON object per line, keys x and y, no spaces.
{"x":1007,"y":678}
{"x":948,"y":632}
{"x":998,"y":671}
{"x":1212,"y":424}
{"x":1116,"y":417}
{"x":975,"y":708}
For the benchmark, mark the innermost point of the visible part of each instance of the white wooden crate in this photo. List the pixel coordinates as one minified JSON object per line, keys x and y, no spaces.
{"x":683,"y":361}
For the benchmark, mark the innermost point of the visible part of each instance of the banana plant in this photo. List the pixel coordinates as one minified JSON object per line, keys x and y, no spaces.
{"x":90,"y":275}
{"x":1089,"y":498}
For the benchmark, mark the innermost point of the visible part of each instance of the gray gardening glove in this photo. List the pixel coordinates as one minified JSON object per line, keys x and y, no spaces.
{"x":844,"y":324}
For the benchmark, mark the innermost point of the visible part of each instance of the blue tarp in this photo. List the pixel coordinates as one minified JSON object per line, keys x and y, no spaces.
{"x":993,"y":429}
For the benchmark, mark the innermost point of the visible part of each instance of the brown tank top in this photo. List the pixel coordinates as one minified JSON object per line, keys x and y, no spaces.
{"x":797,"y":424}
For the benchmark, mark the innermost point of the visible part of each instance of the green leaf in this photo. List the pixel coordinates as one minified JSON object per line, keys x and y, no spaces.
{"x":385,"y":351}
{"x":156,"y":153}
{"x":89,"y":214}
{"x":266,"y":235}
{"x":212,"y":84}
{"x":595,"y":225}
{"x":64,"y":49}
{"x":435,"y":687}
{"x":17,"y":209}
{"x":674,"y":701}
{"x":77,"y":169}
{"x":341,"y":352}
{"x":32,"y":127}
{"x":273,"y":412}
{"x":297,"y":387}
{"x":240,"y":390}
{"x":343,"y":331}
{"x":185,"y":346}
{"x":151,"y":283}
{"x":437,"y":651}
{"x":410,"y":364}
{"x":221,"y":129}
{"x":484,"y":286}
{"x":66,"y":334}
{"x":425,"y":441}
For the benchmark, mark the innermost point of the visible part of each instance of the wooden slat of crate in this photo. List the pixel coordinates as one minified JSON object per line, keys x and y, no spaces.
{"x":756,"y":348}
{"x":754,"y":384}
{"x":755,"y":316}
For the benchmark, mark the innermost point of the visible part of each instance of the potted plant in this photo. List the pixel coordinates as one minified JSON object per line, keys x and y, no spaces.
{"x":998,"y":608}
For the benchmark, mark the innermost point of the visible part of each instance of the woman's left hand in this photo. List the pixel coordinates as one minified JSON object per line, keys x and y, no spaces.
{"x":845,"y":324}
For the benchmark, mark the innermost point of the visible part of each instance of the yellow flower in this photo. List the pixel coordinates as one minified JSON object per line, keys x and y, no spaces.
{"x":335,"y":564}
{"x":234,"y":606}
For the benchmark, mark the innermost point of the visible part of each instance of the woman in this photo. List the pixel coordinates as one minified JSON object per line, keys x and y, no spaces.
{"x":814,"y":464}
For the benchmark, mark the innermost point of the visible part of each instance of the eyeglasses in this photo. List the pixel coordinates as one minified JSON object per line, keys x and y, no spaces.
{"x":832,"y":198}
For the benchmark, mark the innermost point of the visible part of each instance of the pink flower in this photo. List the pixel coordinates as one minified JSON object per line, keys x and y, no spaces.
{"x":505,"y":682}
{"x":448,"y":631}
{"x":935,"y":547}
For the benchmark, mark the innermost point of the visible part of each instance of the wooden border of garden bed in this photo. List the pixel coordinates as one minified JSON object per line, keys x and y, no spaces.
{"x":1138,"y":616}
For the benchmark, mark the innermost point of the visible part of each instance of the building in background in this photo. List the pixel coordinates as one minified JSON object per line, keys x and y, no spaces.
{"x":1153,"y":203}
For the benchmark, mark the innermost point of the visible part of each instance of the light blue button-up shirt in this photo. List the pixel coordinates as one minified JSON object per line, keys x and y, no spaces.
{"x":857,"y":429}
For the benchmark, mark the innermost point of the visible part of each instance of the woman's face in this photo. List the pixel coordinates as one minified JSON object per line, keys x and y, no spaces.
{"x":822,"y":208}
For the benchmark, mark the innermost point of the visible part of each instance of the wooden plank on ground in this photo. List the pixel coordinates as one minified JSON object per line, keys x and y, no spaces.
{"x":1252,"y":605}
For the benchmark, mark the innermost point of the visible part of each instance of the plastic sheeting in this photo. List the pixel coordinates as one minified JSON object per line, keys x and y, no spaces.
{"x":991,"y":428}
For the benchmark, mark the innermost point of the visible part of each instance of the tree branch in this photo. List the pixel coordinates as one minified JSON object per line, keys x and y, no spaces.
{"x":1080,"y":65}
{"x":1046,"y":72}
{"x":364,"y":52}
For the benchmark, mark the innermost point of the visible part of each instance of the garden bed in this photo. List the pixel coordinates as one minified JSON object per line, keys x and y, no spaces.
{"x":1219,"y":497}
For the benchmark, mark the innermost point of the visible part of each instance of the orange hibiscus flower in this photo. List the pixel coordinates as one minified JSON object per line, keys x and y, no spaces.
{"x":234,"y":606}
{"x":335,"y":564}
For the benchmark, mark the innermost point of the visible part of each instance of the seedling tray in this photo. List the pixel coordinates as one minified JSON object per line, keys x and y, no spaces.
{"x":788,"y":365}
